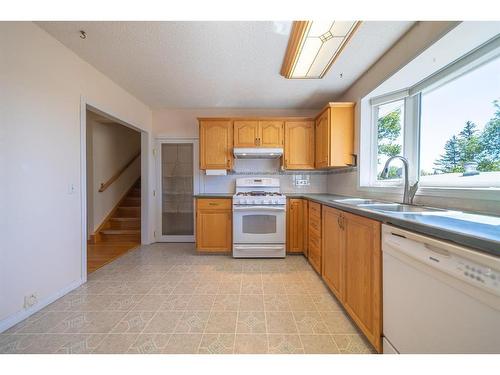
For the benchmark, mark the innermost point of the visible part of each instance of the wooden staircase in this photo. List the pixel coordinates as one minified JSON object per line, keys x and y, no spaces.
{"x":124,"y":225}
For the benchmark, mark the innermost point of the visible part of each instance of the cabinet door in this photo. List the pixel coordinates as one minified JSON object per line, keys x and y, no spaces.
{"x":295,"y":223}
{"x":342,"y":134}
{"x":323,"y":139}
{"x":270,"y":134}
{"x":216,"y":143}
{"x":363,"y":269}
{"x":299,"y":145}
{"x":213,"y":230}
{"x":314,"y":236}
{"x":305,"y":225}
{"x":333,"y":251}
{"x":246,"y":133}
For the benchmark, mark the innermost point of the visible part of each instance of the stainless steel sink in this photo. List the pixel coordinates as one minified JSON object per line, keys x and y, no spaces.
{"x":396,"y":207}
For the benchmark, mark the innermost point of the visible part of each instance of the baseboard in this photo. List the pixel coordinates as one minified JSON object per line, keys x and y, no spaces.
{"x":19,"y":316}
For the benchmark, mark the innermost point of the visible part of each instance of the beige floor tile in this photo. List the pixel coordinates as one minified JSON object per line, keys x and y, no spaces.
{"x":78,"y":343}
{"x":150,"y":344}
{"x":276,"y":302}
{"x":201,"y":302}
{"x":285,"y":344}
{"x":301,"y":302}
{"x":337,"y":322}
{"x":217,"y":343}
{"x":116,"y":343}
{"x":250,"y":344}
{"x":251,"y":322}
{"x":297,"y":287}
{"x":230,"y":287}
{"x":325,"y":302}
{"x":252,"y":287}
{"x":185,"y":288}
{"x":319,"y":344}
{"x":89,"y":322}
{"x":19,"y":326}
{"x":150,"y":303}
{"x":207,"y":287}
{"x":226,"y":302}
{"x":192,"y":322}
{"x":176,"y":302}
{"x":164,"y":287}
{"x":123,"y":302}
{"x":280,"y":322}
{"x":251,"y":302}
{"x":221,"y":322}
{"x":45,"y":323}
{"x":274,"y":287}
{"x":272,"y":278}
{"x":129,"y":288}
{"x":181,"y":343}
{"x":353,"y":344}
{"x":163,"y":322}
{"x":133,"y":322}
{"x":316,"y":287}
{"x":310,"y":322}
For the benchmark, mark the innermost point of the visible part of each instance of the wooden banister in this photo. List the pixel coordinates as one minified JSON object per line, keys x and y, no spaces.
{"x":105,"y":185}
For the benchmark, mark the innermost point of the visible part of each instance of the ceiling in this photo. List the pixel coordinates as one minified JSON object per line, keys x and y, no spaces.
{"x":217,"y":64}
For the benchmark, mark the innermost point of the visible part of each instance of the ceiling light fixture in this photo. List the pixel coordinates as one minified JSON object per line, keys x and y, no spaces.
{"x":313,"y":47}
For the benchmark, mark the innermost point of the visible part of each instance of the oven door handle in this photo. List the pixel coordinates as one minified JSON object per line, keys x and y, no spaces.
{"x":258,"y":208}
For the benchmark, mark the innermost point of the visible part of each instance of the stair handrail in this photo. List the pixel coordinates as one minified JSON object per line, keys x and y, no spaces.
{"x":105,"y":185}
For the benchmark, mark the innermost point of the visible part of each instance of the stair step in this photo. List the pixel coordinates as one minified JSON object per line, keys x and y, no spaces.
{"x":120,"y":231}
{"x":125,"y":223}
{"x":131,"y":202}
{"x":134,"y":193}
{"x":134,"y":212}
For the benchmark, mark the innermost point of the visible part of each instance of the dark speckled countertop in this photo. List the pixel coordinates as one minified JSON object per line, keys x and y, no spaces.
{"x":481,"y":232}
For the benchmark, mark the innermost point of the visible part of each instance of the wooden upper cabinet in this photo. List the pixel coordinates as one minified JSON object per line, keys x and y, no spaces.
{"x":216,"y":144}
{"x":333,"y":251}
{"x":258,"y":133}
{"x":270,"y":134}
{"x":335,"y":136}
{"x":363,"y":275}
{"x":299,"y":145}
{"x":246,"y":133}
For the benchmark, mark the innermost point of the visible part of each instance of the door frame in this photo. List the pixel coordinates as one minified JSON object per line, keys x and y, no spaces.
{"x":196,"y":187}
{"x":146,"y":204}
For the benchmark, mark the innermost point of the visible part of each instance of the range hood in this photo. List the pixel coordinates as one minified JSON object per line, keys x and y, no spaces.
{"x":257,"y":153}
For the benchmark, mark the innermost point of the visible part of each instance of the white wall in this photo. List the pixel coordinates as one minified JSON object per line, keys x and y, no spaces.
{"x":42,"y":83}
{"x":419,"y":38}
{"x":112,"y":146}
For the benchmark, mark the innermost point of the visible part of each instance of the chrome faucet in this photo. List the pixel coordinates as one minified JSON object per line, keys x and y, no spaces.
{"x":409,"y":191}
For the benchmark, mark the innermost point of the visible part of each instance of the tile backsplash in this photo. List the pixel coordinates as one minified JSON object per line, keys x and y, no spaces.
{"x":318,"y":180}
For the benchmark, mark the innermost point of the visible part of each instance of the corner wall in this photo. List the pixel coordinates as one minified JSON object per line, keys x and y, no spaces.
{"x":42,"y":85}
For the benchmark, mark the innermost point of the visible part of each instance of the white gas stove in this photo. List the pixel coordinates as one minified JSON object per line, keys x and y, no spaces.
{"x":259,"y":219}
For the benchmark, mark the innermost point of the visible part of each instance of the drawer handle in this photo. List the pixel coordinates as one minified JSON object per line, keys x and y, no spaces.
{"x":213,"y":204}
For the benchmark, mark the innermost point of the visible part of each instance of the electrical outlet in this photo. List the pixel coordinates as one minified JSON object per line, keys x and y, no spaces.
{"x":301,"y":180}
{"x":30,"y":300}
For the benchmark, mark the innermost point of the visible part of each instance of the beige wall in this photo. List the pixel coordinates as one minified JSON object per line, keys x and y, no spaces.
{"x":420,"y":37}
{"x":111,"y":147}
{"x":42,"y":85}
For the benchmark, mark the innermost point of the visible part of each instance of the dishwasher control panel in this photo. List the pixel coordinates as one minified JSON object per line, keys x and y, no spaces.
{"x":479,"y":273}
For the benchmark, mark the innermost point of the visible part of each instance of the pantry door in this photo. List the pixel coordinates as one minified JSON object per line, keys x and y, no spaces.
{"x":177,"y":168}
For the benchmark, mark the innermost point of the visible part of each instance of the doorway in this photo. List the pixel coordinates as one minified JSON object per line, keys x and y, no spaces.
{"x":177,"y":167}
{"x":113,"y":189}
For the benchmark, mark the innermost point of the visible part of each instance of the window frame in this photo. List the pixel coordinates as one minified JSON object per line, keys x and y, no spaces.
{"x":367,"y":171}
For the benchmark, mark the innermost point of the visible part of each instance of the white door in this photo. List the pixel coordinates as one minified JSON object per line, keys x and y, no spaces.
{"x":178,"y":180}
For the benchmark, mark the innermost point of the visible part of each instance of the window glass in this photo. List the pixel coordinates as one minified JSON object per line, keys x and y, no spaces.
{"x":460,"y":130}
{"x":390,"y":123}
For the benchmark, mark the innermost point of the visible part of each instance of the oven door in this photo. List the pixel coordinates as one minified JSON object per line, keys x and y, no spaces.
{"x":259,"y":224}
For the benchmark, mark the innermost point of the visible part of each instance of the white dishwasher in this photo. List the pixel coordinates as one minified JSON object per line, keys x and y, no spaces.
{"x":438,"y":297}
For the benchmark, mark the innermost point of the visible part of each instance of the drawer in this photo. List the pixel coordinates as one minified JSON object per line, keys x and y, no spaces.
{"x":315,"y":224}
{"x":315,"y":241}
{"x":214,"y":203}
{"x":314,"y":210}
{"x":314,"y":257}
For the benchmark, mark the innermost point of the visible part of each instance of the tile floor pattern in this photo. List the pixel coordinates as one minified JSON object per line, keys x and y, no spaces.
{"x":165,"y":298}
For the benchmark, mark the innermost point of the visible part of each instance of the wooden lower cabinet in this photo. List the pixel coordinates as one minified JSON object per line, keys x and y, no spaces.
{"x":214,"y":225}
{"x":363,"y":275}
{"x":314,"y":236}
{"x":352,"y":268}
{"x":333,"y":251}
{"x":295,"y":241}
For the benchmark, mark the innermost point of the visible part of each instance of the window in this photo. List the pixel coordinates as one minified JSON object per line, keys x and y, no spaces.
{"x":447,"y":126}
{"x":390,"y":126}
{"x":460,"y":130}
